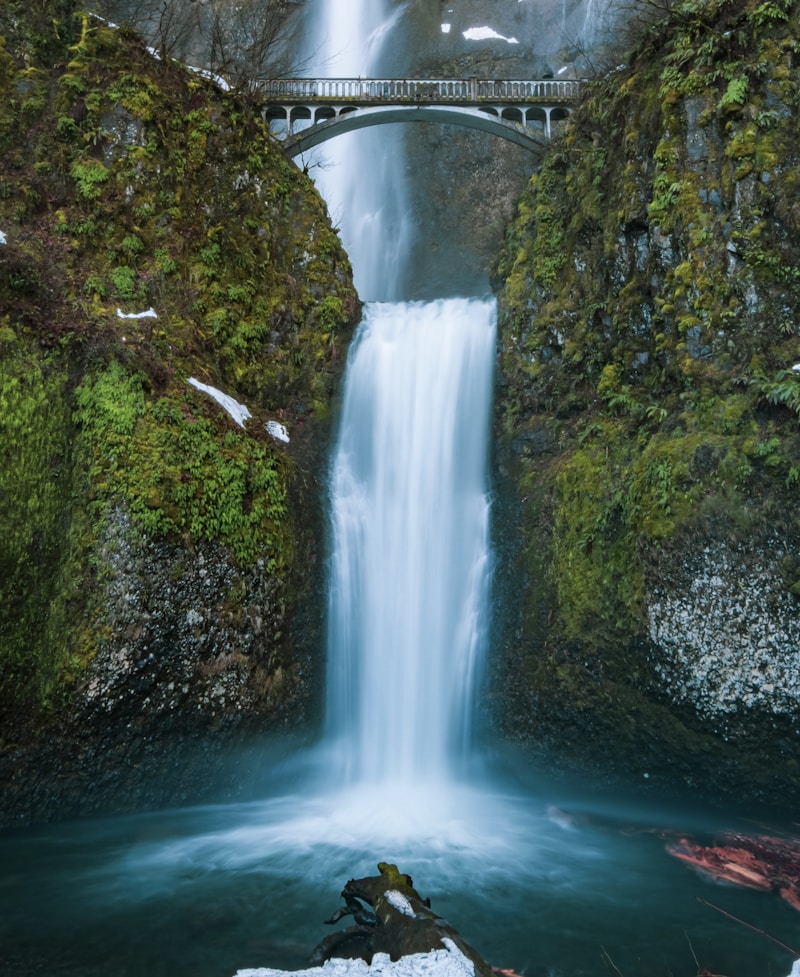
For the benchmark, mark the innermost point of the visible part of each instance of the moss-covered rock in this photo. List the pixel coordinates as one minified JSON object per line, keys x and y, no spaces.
{"x":151,"y":543}
{"x":650,"y":302}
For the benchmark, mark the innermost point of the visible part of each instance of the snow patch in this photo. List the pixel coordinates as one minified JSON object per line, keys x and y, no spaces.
{"x":449,"y":962}
{"x":277,"y":431}
{"x":205,"y":73}
{"x":147,"y":314}
{"x":445,"y":28}
{"x":237,"y":411}
{"x":108,"y":23}
{"x":486,"y":33}
{"x":795,"y":972}
{"x":400,"y":903}
{"x":796,"y":368}
{"x":3,"y":238}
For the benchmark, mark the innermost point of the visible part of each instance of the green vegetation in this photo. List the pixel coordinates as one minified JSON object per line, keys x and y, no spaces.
{"x":176,"y":474}
{"x":35,"y":485}
{"x":126,"y":183}
{"x":649,"y":312}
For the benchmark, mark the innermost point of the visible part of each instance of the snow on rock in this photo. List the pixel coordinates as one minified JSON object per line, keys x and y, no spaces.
{"x":108,"y":23}
{"x":449,"y":962}
{"x":3,"y":238}
{"x":147,"y":314}
{"x":237,"y":411}
{"x":796,"y":368}
{"x":217,"y":79}
{"x":400,"y":903}
{"x":795,"y":972}
{"x":486,"y":33}
{"x":278,"y":431}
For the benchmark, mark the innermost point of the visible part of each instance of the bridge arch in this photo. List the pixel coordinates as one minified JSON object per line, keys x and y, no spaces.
{"x":507,"y":123}
{"x":309,"y":111}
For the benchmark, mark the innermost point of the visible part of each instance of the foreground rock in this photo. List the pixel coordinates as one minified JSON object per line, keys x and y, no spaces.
{"x":396,"y":932}
{"x":395,"y":920}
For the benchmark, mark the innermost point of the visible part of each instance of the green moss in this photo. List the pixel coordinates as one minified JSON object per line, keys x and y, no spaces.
{"x":598,"y":584}
{"x":649,"y":302}
{"x":180,"y":474}
{"x":42,"y":560}
{"x":129,"y":182}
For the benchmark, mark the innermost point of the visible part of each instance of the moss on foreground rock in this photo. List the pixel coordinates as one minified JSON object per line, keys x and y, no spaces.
{"x":128,"y":184}
{"x":649,"y":413}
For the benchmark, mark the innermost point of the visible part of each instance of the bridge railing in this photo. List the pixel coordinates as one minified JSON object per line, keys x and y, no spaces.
{"x":366,"y":90}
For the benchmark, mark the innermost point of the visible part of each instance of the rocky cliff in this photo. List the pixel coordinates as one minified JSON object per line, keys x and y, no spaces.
{"x":472,"y":180}
{"x":649,"y":446}
{"x":160,"y":566}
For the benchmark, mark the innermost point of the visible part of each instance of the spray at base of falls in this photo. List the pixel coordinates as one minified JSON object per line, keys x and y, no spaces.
{"x":410,"y":518}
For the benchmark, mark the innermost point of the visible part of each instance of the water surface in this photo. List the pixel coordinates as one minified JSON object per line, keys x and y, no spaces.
{"x":540,"y":883}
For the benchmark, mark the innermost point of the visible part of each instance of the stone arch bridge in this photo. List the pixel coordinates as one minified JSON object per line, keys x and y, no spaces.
{"x":305,"y":112}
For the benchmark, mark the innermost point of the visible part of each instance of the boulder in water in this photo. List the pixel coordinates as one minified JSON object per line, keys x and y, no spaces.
{"x":390,"y":918}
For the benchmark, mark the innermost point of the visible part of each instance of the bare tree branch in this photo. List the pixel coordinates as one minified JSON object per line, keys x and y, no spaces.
{"x":252,"y":41}
{"x":617,"y":26}
{"x":244,"y":41}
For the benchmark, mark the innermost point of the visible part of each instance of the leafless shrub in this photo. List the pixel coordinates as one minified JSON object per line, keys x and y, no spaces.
{"x":252,"y":41}
{"x":170,"y":27}
{"x":614,"y":27}
{"x":244,"y":41}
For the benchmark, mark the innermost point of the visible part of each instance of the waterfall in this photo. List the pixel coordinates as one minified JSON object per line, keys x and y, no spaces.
{"x":591,"y":24}
{"x":361,"y":175}
{"x":410,"y":565}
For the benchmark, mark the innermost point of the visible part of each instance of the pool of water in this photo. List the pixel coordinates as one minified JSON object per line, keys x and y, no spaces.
{"x":539,"y":883}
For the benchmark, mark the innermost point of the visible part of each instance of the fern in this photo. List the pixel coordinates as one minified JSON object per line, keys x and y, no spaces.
{"x":765,"y":13}
{"x":783,"y":389}
{"x":735,"y":94}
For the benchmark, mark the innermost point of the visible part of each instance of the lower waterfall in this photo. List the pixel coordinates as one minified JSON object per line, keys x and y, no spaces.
{"x":410,"y":541}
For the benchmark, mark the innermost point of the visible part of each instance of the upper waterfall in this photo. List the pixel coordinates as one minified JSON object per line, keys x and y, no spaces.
{"x":362,"y":175}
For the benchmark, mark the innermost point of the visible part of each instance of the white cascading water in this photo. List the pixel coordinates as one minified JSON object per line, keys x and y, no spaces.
{"x":361,"y":175}
{"x":409,"y":506}
{"x":410,"y":566}
{"x":591,"y":24}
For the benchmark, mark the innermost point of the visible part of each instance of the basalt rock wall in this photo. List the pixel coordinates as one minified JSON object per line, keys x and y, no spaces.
{"x":161,"y":568}
{"x":462,"y":183}
{"x":648,"y":442}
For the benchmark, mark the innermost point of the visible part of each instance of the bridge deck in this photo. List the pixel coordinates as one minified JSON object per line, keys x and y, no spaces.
{"x":398,"y":91}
